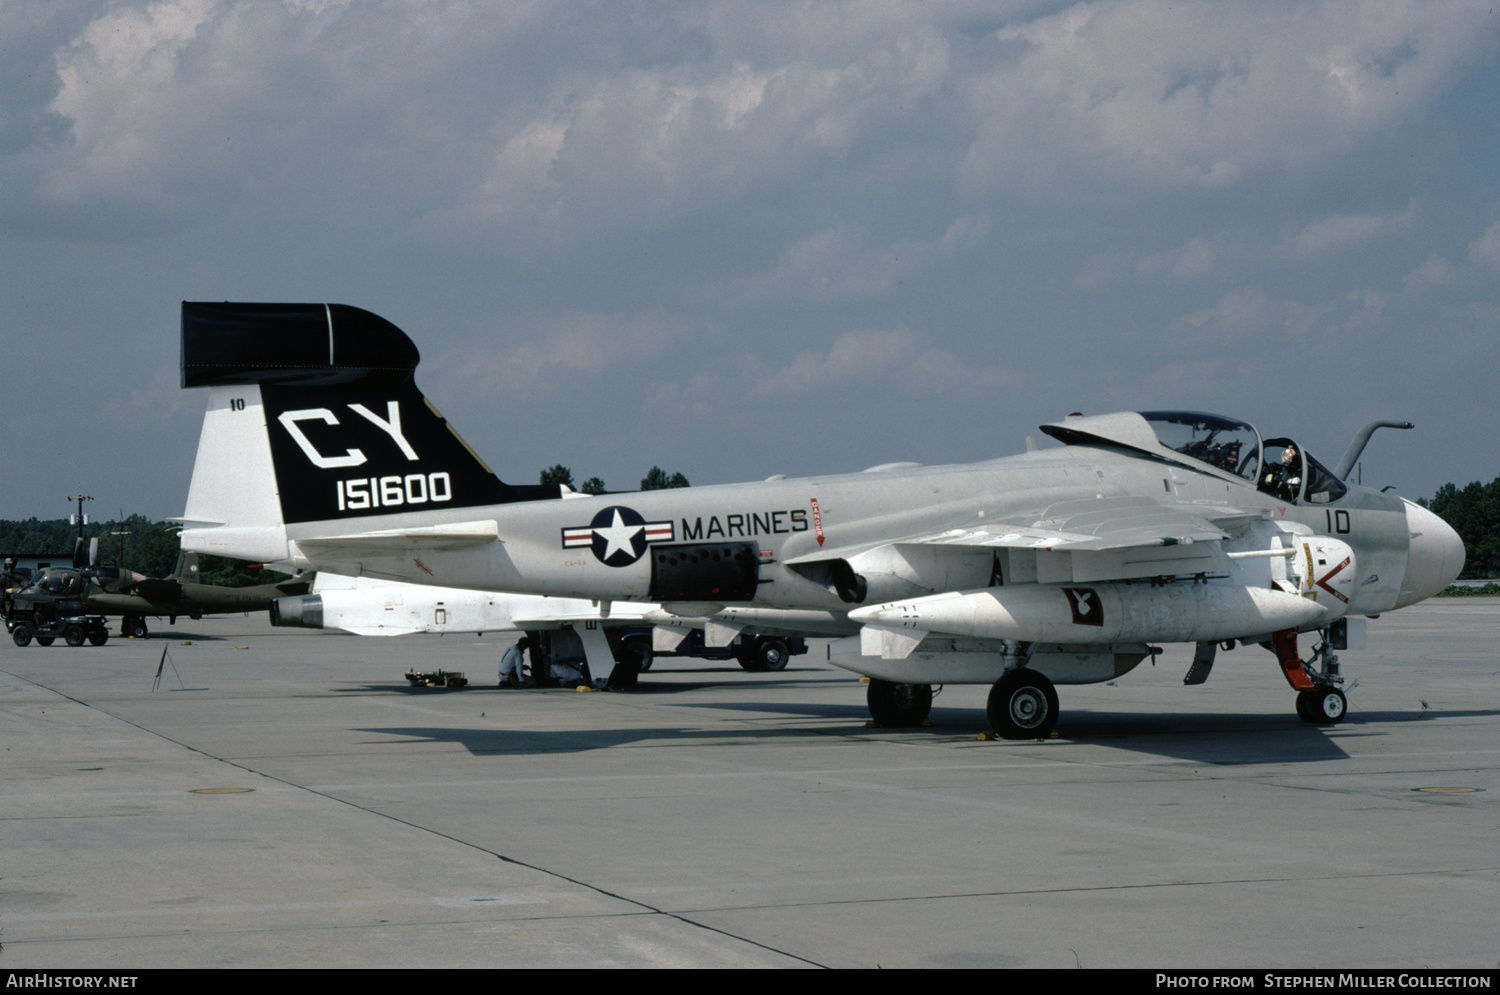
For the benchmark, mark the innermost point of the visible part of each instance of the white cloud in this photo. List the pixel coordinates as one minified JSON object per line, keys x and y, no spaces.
{"x":1434,"y":272}
{"x":1155,"y":94}
{"x":835,"y":265}
{"x":1345,"y":232}
{"x":1244,"y":314}
{"x":569,"y":352}
{"x":1485,"y":250}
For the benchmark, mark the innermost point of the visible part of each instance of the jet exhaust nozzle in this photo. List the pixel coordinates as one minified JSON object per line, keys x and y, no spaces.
{"x":303,"y":611}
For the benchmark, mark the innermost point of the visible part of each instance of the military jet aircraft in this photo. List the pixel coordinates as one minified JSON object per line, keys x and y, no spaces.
{"x":1055,"y":566}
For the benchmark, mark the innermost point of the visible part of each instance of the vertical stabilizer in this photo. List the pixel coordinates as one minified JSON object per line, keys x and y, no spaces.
{"x":314,"y":417}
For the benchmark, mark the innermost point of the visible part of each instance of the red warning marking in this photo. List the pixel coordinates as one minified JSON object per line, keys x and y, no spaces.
{"x":1285,"y":643}
{"x":1323,"y":580}
{"x":817,"y":523}
{"x":422,"y":566}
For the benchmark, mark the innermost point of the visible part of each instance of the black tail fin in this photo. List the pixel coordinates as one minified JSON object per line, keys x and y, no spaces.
{"x":349,"y":433}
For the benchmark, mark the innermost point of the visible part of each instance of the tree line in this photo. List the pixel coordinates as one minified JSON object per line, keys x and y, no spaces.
{"x":656,"y":479}
{"x":1474,"y":512}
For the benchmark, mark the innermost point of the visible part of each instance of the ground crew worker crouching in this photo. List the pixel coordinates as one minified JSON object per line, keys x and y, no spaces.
{"x":510,"y":664}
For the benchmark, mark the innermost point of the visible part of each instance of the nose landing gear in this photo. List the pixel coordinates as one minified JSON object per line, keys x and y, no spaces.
{"x":1319,"y":701}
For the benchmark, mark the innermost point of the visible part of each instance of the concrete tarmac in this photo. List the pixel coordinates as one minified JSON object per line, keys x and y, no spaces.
{"x":286,"y":799}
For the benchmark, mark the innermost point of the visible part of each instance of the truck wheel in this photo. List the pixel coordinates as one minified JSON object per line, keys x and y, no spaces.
{"x":99,"y":637}
{"x":21,"y":634}
{"x":74,"y":635}
{"x":772,"y":654}
{"x":44,"y":640}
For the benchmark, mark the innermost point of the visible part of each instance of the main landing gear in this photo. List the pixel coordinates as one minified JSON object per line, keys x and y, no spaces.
{"x":1319,"y":701}
{"x":1023,"y":705}
{"x":898,"y":706}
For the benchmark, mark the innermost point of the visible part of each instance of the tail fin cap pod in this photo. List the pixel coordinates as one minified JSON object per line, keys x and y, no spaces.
{"x":325,"y":345}
{"x":314,"y":408}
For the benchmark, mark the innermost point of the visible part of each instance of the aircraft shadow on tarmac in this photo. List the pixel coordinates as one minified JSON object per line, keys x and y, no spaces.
{"x":481,"y":742}
{"x":1230,"y":738}
{"x":645,"y":688}
{"x":1217,"y":739}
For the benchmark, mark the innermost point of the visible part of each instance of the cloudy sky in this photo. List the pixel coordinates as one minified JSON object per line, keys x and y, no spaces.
{"x":739,"y":239}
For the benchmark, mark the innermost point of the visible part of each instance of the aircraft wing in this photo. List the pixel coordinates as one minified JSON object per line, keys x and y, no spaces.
{"x":1102,"y":524}
{"x":159,"y":591}
{"x":1070,"y":542}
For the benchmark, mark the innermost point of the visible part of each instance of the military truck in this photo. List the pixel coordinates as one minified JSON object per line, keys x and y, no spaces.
{"x":51,"y":605}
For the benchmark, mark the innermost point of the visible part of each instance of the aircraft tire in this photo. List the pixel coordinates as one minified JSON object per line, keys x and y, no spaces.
{"x":21,"y":634}
{"x":135,"y":627}
{"x":898,"y":706}
{"x":44,"y":640}
{"x":773,"y":654}
{"x":74,"y":635}
{"x":1023,"y":705}
{"x":1324,"y":706}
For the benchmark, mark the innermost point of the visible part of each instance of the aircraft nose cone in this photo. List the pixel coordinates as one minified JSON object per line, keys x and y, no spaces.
{"x":1436,"y":557}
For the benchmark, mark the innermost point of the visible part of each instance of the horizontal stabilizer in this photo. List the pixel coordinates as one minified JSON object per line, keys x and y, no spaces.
{"x":456,"y":536}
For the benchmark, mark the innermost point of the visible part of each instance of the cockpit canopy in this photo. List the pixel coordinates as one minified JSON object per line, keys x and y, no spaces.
{"x":55,"y":580}
{"x":1213,"y":439}
{"x":1278,"y":468}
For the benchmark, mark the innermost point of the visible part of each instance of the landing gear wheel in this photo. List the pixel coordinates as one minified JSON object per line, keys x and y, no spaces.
{"x":134,"y":626}
{"x":772,"y":654}
{"x":44,"y":640}
{"x":1322,"y":706}
{"x":1023,"y":705}
{"x":74,"y":635}
{"x":898,"y":706}
{"x":21,"y":635}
